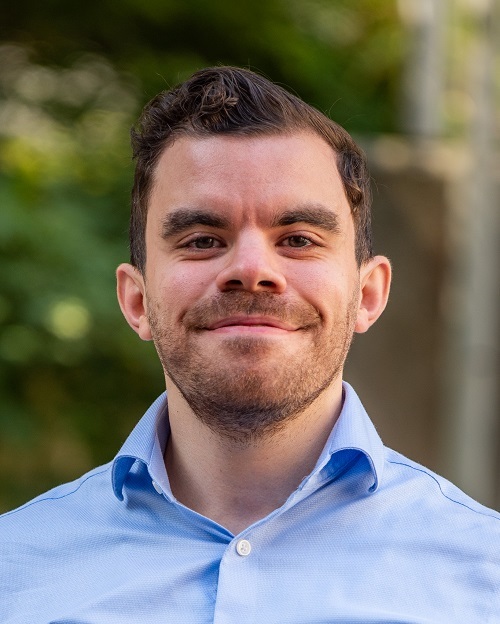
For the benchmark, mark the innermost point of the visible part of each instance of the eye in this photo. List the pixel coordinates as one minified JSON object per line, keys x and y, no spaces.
{"x":204,"y":242}
{"x":296,"y":241}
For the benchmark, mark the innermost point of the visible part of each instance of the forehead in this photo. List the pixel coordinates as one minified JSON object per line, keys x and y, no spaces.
{"x":250,"y":173}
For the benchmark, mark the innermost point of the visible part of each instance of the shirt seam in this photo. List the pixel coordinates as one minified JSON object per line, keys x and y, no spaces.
{"x":51,"y":498}
{"x":428,"y":474}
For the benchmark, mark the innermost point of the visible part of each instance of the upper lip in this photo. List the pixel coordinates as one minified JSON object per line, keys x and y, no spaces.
{"x":252,"y":320}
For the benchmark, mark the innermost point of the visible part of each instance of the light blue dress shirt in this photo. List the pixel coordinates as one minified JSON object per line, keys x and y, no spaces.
{"x":369,"y":536}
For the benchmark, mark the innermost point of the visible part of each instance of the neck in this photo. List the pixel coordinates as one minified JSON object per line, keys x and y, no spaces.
{"x":237,"y":484}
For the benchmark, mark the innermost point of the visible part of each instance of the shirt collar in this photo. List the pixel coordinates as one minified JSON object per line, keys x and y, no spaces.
{"x":353,"y":431}
{"x":146,"y":444}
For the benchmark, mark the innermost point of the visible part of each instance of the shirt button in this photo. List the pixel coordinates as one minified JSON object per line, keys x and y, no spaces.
{"x":157,"y":487}
{"x":243,"y":547}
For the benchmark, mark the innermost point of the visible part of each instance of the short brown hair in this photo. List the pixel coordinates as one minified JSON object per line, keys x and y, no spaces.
{"x":230,"y":100}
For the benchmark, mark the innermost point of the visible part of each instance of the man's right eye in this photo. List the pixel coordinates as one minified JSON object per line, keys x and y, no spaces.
{"x":204,"y":242}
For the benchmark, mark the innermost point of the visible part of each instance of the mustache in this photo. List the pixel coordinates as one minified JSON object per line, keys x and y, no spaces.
{"x":236,"y":302}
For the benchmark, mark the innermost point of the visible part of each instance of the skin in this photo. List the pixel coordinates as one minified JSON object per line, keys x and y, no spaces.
{"x":251,"y":293}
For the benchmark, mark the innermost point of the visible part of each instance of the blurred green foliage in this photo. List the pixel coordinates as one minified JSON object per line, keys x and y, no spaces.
{"x":73,"y":377}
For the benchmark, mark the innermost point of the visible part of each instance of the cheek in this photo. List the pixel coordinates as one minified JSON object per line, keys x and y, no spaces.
{"x":188,"y":281}
{"x":329,"y":290}
{"x":178,"y":290}
{"x":319,"y":282}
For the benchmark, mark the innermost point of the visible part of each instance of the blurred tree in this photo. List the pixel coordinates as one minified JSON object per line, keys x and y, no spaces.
{"x":333,"y":52}
{"x":73,"y":377}
{"x":64,"y":355}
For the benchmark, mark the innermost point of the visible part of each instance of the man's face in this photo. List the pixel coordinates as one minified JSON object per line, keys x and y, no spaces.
{"x":251,"y":283}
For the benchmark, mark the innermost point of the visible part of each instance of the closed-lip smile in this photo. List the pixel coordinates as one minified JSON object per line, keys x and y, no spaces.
{"x":255,"y":323}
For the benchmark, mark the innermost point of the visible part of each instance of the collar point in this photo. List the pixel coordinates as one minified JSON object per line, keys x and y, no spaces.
{"x":121,"y":468}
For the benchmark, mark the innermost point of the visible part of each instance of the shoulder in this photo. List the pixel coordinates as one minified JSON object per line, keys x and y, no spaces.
{"x":432,"y":495}
{"x":55,"y":505}
{"x":440,"y":528}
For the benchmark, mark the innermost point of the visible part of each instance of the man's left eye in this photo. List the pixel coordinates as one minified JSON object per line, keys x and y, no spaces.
{"x":296,"y":241}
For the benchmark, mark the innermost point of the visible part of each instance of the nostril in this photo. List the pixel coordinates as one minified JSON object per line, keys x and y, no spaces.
{"x":266,"y":283}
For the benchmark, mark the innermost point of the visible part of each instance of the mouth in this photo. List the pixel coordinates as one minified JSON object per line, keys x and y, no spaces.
{"x":251,"y":324}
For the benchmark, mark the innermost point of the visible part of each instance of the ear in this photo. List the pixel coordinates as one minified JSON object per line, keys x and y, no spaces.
{"x":375,"y":283}
{"x":131,"y":291}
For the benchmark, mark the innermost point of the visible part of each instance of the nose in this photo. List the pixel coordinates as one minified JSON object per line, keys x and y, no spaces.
{"x":252,"y":265}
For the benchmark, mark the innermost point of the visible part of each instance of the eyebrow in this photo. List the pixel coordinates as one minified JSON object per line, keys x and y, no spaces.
{"x":182,"y":219}
{"x":315,"y":214}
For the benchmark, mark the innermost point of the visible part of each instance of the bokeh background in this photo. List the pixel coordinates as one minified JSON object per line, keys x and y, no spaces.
{"x":416,"y":81}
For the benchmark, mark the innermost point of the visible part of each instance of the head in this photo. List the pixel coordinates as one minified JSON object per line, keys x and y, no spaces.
{"x":254,"y":211}
{"x":233,"y":101}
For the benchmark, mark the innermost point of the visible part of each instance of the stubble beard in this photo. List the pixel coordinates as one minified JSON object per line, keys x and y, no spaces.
{"x":243,"y":392}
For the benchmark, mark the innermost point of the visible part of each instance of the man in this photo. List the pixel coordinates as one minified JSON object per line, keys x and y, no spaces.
{"x":258,"y":490}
